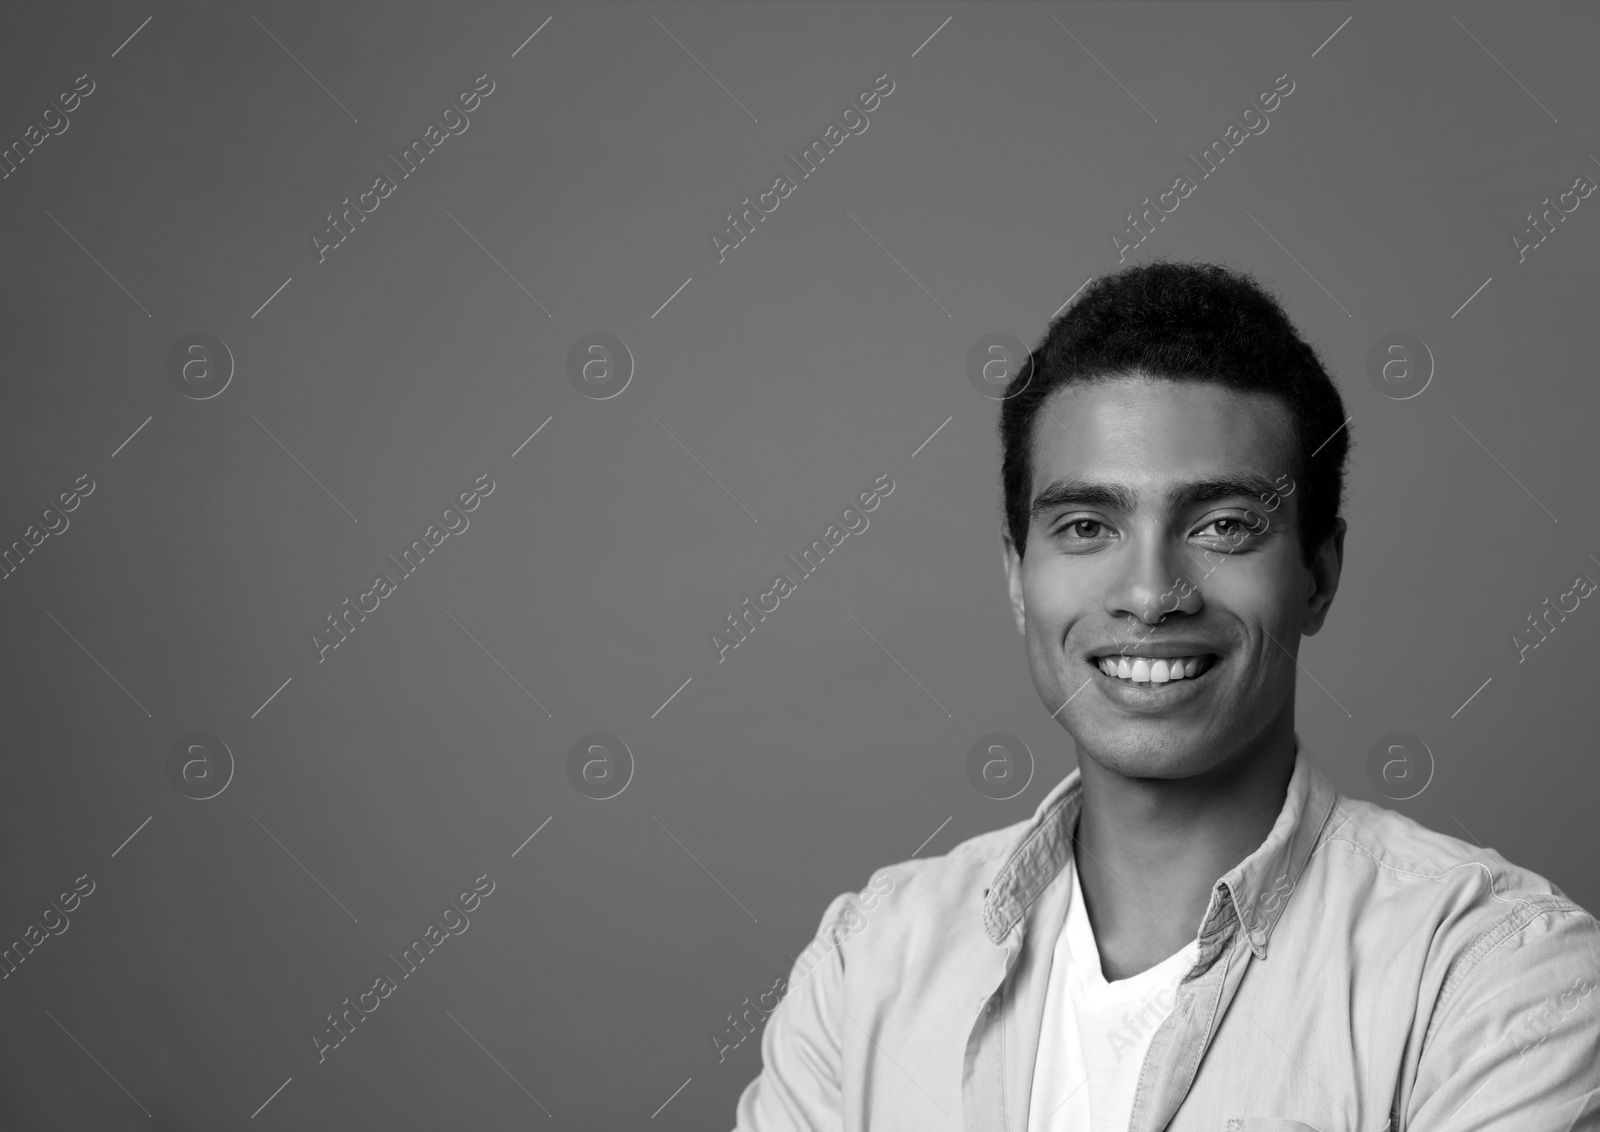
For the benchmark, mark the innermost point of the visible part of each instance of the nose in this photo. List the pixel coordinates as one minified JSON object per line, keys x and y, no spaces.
{"x":1151,"y":582}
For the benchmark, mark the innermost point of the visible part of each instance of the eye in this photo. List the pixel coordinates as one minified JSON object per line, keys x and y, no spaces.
{"x":1084,"y":528}
{"x":1223,"y":528}
{"x":1231,"y":530}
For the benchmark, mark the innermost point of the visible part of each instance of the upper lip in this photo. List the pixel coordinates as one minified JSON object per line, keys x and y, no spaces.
{"x":1164,"y":651}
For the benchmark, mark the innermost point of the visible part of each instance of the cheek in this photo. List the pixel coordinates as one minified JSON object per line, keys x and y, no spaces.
{"x":1268,"y":588}
{"x":1054,"y":600}
{"x":1267,"y":613}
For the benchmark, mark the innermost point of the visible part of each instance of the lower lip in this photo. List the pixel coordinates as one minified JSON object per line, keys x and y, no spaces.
{"x":1147,"y":694}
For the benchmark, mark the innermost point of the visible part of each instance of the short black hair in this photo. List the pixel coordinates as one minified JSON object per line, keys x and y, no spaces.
{"x":1184,"y":322}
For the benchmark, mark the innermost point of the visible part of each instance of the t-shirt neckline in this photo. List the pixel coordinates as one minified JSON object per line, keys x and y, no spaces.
{"x":1078,"y":936}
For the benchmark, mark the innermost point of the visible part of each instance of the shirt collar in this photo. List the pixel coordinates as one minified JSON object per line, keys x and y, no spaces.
{"x":1252,"y":894}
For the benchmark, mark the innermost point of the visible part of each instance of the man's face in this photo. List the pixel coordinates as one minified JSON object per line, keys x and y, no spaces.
{"x":1163,"y":543}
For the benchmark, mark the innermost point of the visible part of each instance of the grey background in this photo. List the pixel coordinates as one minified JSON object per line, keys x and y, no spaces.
{"x":378,"y":784}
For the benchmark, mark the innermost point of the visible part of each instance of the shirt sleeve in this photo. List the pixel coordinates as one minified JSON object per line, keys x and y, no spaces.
{"x":1515,"y":1046}
{"x":799,"y":1086}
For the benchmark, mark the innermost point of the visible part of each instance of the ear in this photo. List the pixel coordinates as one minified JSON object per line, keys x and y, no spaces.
{"x":1013,"y":567}
{"x":1324,"y":580}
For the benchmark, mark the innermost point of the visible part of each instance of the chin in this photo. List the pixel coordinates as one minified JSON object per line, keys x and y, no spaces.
{"x":1146,"y":752}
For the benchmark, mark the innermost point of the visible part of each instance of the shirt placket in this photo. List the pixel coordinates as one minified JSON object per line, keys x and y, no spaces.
{"x":983,"y":1080}
{"x":1178,"y":1044}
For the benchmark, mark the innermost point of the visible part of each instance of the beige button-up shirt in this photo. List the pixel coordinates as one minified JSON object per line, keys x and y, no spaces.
{"x":1357,"y":973}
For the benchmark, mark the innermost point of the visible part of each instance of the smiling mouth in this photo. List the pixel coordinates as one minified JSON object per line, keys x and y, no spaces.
{"x":1158,"y":670}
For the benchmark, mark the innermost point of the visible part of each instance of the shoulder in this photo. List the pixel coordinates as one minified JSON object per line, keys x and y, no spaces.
{"x":962,"y":875}
{"x":922,"y":897}
{"x":1479,"y":960}
{"x":1362,"y":837}
{"x":1474,"y":903}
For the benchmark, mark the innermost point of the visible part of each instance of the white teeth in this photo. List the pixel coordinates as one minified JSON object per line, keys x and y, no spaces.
{"x":1144,"y":670}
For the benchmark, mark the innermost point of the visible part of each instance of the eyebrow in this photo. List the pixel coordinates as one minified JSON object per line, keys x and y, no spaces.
{"x":1181,"y":496}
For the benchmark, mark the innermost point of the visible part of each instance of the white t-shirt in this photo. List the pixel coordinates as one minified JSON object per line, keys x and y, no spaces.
{"x":1095,"y":1034}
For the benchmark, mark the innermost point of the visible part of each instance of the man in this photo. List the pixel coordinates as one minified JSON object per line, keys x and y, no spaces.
{"x":1194,"y":931}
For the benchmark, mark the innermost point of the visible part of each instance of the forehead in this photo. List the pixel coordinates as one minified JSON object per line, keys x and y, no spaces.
{"x":1148,"y":432}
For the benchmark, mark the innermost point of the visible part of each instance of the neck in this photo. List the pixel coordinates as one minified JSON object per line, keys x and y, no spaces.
{"x":1151,"y":849}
